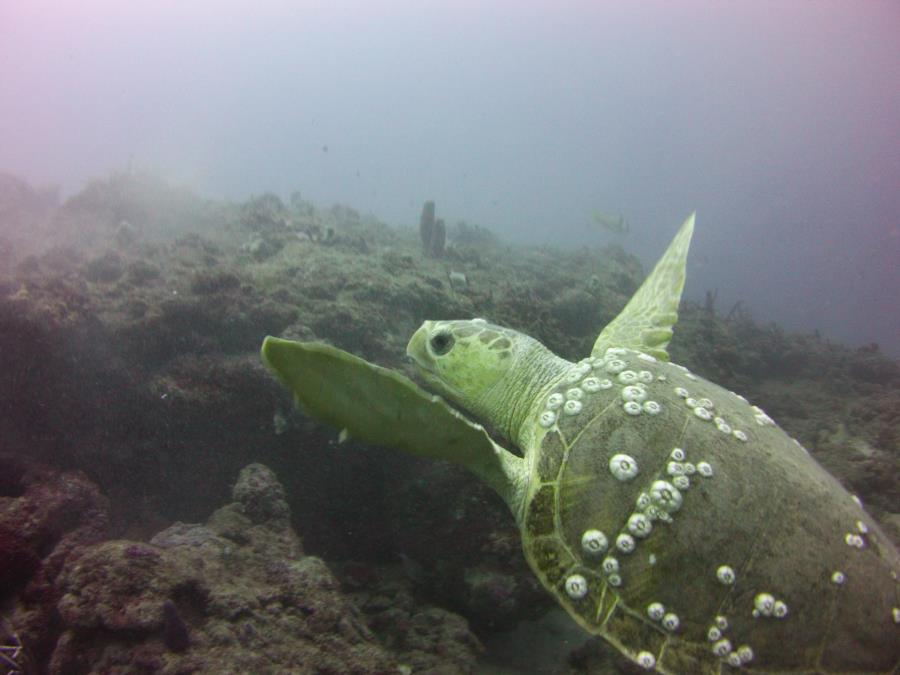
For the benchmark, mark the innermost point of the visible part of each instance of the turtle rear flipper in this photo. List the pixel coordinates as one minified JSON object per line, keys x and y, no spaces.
{"x":380,"y":406}
{"x":646,"y":322}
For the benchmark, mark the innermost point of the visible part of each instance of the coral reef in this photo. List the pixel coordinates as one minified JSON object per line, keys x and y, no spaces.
{"x":234,"y":594}
{"x":130,"y":319}
{"x":46,"y":518}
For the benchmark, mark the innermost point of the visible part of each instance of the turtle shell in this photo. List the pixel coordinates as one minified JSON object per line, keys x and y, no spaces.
{"x":679,"y":522}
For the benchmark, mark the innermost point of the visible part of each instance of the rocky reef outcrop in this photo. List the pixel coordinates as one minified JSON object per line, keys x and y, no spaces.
{"x":131,"y":393}
{"x":233,"y":594}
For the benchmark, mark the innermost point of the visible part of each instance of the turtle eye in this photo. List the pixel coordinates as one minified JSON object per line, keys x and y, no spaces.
{"x":441,"y":343}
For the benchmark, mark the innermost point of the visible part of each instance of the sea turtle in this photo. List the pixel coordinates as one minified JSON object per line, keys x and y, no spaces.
{"x":664,"y":513}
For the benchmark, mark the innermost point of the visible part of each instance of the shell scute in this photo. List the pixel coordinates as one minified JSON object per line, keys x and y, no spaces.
{"x":632,"y":634}
{"x":552,"y":561}
{"x":541,"y":512}
{"x":553,"y":451}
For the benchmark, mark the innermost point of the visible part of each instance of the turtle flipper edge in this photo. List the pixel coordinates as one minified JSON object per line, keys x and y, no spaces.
{"x":646,"y":322}
{"x":382,"y":407}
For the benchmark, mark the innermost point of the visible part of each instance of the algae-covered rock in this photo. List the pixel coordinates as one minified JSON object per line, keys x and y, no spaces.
{"x":149,"y":381}
{"x":234,"y":594}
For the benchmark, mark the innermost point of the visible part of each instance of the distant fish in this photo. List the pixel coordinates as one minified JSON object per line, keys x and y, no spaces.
{"x":614,"y":223}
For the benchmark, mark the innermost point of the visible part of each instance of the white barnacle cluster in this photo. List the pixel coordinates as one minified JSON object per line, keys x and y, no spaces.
{"x":578,"y":371}
{"x":854,"y":540}
{"x":745,"y":653}
{"x":665,"y":496}
{"x":656,"y":611}
{"x":687,"y":373}
{"x":761,"y":418}
{"x":573,"y":403}
{"x":703,"y":413}
{"x":591,"y":384}
{"x":574,"y":394}
{"x":857,"y":539}
{"x":594,"y":542}
{"x":681,"y":482}
{"x":555,"y":401}
{"x":705,"y":469}
{"x":722,"y":425}
{"x":680,"y":470}
{"x":646,"y":660}
{"x":639,"y":525}
{"x":547,"y":419}
{"x":625,"y":543}
{"x":610,"y":567}
{"x":660,"y":502}
{"x":632,"y":407}
{"x":572,"y":406}
{"x":634,"y":392}
{"x":628,"y":377}
{"x":715,"y":631}
{"x":652,"y":407}
{"x":570,"y":403}
{"x":767,"y":605}
{"x":548,"y":416}
{"x":623,"y":467}
{"x":576,"y":586}
{"x":582,"y":379}
{"x":722,"y":647}
{"x":704,"y":409}
{"x":725,"y":574}
{"x":670,"y":622}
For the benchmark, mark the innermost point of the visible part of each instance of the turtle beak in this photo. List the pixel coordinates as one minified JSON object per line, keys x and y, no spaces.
{"x":417,"y":349}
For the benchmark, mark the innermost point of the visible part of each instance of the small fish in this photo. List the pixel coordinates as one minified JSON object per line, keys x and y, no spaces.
{"x":614,"y":223}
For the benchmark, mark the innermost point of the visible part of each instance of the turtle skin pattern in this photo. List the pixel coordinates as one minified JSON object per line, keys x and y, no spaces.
{"x":765,"y":562}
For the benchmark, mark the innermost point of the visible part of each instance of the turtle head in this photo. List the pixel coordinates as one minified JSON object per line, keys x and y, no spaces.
{"x":491,"y":371}
{"x":464,"y":359}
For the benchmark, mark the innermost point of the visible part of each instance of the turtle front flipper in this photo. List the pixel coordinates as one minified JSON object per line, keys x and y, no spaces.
{"x":646,"y":322}
{"x":379,"y":406}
